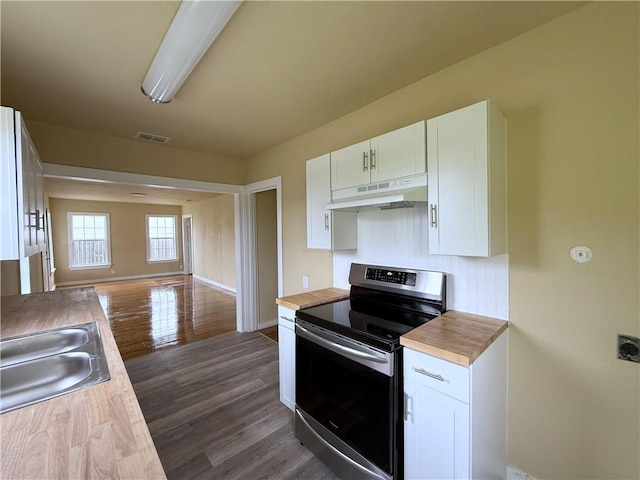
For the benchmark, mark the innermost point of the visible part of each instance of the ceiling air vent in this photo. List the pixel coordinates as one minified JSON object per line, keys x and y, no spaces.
{"x":150,"y":137}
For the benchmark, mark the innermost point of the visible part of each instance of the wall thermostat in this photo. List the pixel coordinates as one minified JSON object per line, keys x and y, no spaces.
{"x":580,"y":254}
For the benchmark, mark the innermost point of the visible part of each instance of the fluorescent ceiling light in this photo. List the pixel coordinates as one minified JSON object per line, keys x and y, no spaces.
{"x":194,"y":28}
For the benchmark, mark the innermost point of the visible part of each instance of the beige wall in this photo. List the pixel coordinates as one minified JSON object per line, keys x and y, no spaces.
{"x":569,"y":90}
{"x":128,"y":239}
{"x":83,"y":149}
{"x":267,"y":253}
{"x":213,"y":228}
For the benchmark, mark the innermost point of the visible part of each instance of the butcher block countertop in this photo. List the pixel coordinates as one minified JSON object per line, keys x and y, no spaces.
{"x":311,"y":299}
{"x":96,"y":432}
{"x":455,"y":336}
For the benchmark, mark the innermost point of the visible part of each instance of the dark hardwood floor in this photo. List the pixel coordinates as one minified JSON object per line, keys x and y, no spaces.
{"x":214,"y":412}
{"x":208,"y":393}
{"x":152,"y":314}
{"x":270,"y":332}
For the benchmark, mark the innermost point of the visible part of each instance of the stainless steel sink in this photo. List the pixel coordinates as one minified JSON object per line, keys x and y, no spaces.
{"x":31,"y":347}
{"x":37,"y":367}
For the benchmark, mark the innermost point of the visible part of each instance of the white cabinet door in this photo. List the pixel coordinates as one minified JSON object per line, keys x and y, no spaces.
{"x":25,"y":153}
{"x":350,"y":166}
{"x":466,"y":158}
{"x":395,"y":154}
{"x":287,"y":356}
{"x":399,"y":153}
{"x":326,"y":229}
{"x":22,"y":194}
{"x":436,"y":435}
{"x":10,"y":189}
{"x":40,"y":209}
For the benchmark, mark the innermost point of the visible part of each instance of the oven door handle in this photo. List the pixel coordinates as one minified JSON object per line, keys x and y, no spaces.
{"x":336,"y":347}
{"x":368,"y":472}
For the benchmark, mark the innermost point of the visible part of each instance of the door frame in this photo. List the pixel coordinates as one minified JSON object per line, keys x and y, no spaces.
{"x":187,"y":252}
{"x":246,"y":257}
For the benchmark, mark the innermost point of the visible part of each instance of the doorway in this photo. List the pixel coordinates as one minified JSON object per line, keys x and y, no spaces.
{"x":257,"y":284}
{"x":267,"y":257}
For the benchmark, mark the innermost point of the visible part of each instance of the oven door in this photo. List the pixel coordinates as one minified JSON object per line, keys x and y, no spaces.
{"x":347,"y":403}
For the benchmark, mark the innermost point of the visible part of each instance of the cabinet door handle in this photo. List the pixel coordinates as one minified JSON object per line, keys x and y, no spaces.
{"x":373,"y":159}
{"x":286,"y":318}
{"x":407,"y":411}
{"x":435,"y":376}
{"x":326,"y":221}
{"x":365,"y":161}
{"x":39,"y":220}
{"x":434,"y":215}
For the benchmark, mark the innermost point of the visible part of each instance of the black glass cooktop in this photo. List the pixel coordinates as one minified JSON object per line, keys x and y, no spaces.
{"x":378,"y":324}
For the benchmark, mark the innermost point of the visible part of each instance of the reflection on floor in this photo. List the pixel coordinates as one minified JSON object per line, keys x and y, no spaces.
{"x":152,"y":314}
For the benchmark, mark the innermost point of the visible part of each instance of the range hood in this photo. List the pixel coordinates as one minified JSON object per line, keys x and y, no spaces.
{"x":397,"y":193}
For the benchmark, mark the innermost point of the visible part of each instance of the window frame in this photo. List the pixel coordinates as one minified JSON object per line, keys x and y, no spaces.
{"x":107,"y":241}
{"x":176,"y":257}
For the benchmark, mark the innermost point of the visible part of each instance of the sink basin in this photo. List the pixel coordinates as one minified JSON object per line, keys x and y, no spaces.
{"x":31,"y":347}
{"x":37,"y":367}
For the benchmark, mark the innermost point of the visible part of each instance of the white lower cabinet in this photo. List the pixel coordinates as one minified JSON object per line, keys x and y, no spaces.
{"x":436,"y":434}
{"x":455,"y":416}
{"x":287,"y":356}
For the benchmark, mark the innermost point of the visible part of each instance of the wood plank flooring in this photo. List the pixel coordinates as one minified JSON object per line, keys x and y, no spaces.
{"x":270,"y":332}
{"x":152,"y":314}
{"x":214,"y":412}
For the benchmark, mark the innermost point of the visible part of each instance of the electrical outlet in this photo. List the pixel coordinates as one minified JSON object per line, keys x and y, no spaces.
{"x":113,"y":271}
{"x":629,"y":348}
{"x":305,"y":281}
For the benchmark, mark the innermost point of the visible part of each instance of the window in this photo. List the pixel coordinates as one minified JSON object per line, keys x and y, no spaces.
{"x":88,"y":240}
{"x":162,"y":238}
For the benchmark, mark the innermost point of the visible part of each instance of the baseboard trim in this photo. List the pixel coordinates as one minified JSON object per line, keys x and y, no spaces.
{"x":267,"y":324}
{"x":515,"y":474}
{"x":214,"y":283}
{"x":116,"y":279}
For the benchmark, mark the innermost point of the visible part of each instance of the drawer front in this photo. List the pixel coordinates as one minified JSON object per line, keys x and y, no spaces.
{"x":445,"y":377}
{"x":286,"y":317}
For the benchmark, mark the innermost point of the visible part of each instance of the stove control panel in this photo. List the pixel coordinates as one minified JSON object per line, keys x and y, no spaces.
{"x":391,"y":276}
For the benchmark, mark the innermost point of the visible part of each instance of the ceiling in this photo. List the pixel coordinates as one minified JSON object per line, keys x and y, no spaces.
{"x":277,"y":70}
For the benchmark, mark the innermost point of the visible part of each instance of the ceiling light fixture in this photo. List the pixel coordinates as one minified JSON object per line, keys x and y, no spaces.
{"x":194,"y":28}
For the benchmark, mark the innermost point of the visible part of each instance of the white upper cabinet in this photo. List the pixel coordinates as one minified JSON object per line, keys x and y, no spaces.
{"x":392,"y":155}
{"x":350,"y":166}
{"x":22,"y":221}
{"x":466,"y":158}
{"x":326,"y":229}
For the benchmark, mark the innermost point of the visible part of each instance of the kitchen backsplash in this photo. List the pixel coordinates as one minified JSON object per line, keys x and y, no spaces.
{"x":400,"y":238}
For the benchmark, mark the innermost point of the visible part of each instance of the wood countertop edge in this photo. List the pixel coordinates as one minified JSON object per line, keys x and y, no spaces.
{"x":457,"y":337}
{"x":98,"y":431}
{"x":313,"y":298}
